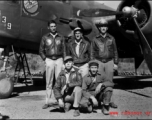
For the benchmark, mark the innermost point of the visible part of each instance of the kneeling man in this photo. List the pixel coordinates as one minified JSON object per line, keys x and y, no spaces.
{"x":67,"y":89}
{"x":97,"y":91}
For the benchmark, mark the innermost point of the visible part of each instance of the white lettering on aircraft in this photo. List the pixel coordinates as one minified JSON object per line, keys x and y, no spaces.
{"x":7,"y":25}
{"x":3,"y":19}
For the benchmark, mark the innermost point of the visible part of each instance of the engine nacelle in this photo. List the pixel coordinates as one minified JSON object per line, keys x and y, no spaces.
{"x":145,"y":21}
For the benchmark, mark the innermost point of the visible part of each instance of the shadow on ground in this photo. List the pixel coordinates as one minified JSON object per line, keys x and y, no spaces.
{"x":37,"y":85}
{"x":4,"y":117}
{"x":132,"y":83}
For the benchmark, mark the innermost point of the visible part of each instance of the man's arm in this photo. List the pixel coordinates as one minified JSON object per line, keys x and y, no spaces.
{"x":92,"y":50}
{"x":64,"y":47}
{"x":84,"y":88}
{"x":68,"y":49}
{"x":78,"y":81}
{"x":42,"y":49}
{"x":57,"y":88}
{"x":89,"y":50}
{"x":115,"y":52}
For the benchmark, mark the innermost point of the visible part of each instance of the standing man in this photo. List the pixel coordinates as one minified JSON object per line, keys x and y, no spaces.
{"x":79,"y":49}
{"x":104,"y":49}
{"x":67,"y":89}
{"x":96,"y":90}
{"x":52,"y":50}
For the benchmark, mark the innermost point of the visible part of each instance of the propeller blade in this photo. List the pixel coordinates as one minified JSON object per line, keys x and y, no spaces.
{"x":97,"y":13}
{"x":80,"y":25}
{"x":146,"y":49}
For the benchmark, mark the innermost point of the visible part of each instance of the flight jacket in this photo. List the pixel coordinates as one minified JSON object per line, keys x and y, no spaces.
{"x":84,"y":52}
{"x":104,"y":49}
{"x":75,"y":79}
{"x":52,"y":48}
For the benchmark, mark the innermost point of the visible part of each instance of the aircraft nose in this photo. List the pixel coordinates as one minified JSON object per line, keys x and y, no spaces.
{"x":129,"y":11}
{"x":126,"y":10}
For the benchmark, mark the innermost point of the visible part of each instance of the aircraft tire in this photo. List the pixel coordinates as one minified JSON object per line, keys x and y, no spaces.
{"x":6,"y":87}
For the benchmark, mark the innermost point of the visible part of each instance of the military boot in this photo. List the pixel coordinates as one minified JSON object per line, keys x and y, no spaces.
{"x":113,"y":105}
{"x":105,"y":109}
{"x":67,"y":107}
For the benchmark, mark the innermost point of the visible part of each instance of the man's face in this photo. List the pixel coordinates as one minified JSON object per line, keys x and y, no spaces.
{"x":68,"y":64}
{"x":93,"y":69}
{"x":52,"y":27}
{"x":103,"y":29}
{"x":78,"y":35}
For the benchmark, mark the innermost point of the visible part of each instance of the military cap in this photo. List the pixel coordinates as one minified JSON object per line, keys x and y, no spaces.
{"x":68,"y":58}
{"x":102,"y":22}
{"x":77,"y":29}
{"x":93,"y":63}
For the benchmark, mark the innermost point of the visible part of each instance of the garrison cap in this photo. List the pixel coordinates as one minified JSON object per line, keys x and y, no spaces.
{"x":93,"y":63}
{"x":68,"y":58}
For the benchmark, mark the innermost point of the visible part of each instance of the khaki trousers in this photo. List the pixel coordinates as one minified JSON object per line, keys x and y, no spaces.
{"x":52,"y":66}
{"x":75,"y":97}
{"x":103,"y":97}
{"x":106,"y":69}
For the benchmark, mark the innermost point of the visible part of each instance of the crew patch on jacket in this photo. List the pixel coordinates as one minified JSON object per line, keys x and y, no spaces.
{"x":48,"y":42}
{"x":58,"y":42}
{"x":109,"y":42}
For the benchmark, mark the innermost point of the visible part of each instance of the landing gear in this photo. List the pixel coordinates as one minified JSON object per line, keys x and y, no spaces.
{"x":6,"y":85}
{"x":7,"y":81}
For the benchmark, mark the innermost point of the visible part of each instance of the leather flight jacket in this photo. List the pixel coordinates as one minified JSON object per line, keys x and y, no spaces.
{"x":75,"y":79}
{"x":84,"y":51}
{"x":52,"y":48}
{"x":104,"y":49}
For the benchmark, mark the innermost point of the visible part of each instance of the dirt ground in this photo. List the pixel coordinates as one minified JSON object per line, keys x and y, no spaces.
{"x":133,"y":97}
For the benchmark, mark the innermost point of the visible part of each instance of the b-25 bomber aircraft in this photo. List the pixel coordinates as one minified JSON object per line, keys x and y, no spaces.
{"x":24,"y":22}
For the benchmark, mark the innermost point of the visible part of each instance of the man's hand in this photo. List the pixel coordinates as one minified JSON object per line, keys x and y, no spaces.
{"x":98,"y":88}
{"x":115,"y":67}
{"x":61,"y":103}
{"x":94,"y":100}
{"x":63,"y":89}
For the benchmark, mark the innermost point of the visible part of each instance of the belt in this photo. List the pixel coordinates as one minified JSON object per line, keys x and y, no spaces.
{"x":54,"y":57}
{"x":105,"y":60}
{"x":79,"y":64}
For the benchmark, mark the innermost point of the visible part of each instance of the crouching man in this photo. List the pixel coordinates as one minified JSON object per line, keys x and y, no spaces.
{"x":67,"y":89}
{"x":97,"y":91}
